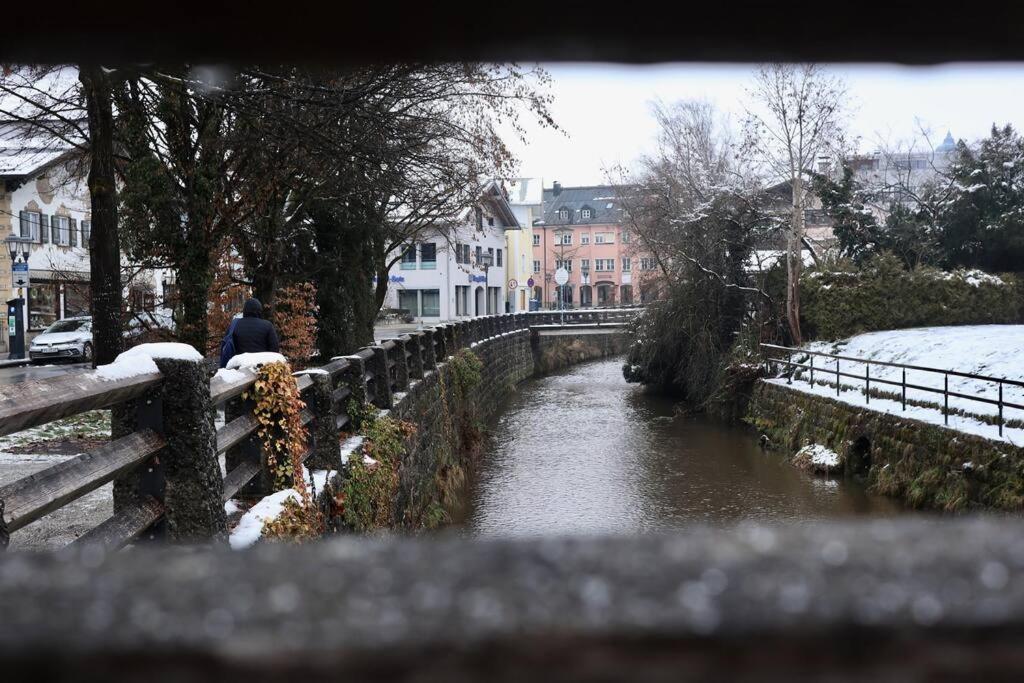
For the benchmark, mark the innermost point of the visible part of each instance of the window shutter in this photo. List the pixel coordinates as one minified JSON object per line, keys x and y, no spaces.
{"x":44,"y":228}
{"x":73,"y":227}
{"x":54,"y":230}
{"x":25,"y":226}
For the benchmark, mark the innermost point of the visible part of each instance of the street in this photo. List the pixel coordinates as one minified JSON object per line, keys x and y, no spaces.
{"x":24,"y":373}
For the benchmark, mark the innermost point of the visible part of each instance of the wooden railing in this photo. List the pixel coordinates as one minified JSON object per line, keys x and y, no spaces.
{"x":164,"y":439}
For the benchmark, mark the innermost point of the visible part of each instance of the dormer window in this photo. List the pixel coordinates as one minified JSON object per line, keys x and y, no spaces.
{"x":585,"y":214}
{"x":490,"y":221}
{"x":563,"y":214}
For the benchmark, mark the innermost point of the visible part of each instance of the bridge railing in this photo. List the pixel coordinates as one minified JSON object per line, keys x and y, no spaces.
{"x":159,"y":448}
{"x":829,"y":370}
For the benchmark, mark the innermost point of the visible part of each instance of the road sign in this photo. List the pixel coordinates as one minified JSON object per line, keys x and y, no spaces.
{"x":19,"y":275}
{"x":529,"y":283}
{"x":513,"y":284}
{"x":561,"y":276}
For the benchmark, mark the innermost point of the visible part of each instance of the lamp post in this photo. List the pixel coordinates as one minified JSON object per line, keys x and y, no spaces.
{"x":560,"y":234}
{"x":486,"y":260}
{"x":16,"y":309}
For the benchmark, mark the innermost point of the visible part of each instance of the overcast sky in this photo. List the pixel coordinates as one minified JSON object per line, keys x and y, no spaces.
{"x":604,"y":109}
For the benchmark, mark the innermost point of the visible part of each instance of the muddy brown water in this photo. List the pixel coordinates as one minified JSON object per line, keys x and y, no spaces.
{"x":582,"y":451}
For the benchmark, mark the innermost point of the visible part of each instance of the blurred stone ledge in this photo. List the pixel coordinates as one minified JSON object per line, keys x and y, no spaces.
{"x":909,"y":599}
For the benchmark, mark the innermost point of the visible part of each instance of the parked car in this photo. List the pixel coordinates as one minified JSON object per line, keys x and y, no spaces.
{"x":68,"y":339}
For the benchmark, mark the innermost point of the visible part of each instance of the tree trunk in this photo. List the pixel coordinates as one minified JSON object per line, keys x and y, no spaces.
{"x":104,"y":243}
{"x":195,"y":277}
{"x":794,"y":263}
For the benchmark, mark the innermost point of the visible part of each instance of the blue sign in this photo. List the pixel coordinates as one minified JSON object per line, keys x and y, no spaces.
{"x":529,"y":283}
{"x":396,"y":278}
{"x":478,"y":278}
{"x":20,"y":267}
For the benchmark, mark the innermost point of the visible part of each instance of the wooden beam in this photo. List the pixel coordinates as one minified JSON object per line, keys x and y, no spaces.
{"x":235,"y":431}
{"x":125,"y":526}
{"x":29,"y":404}
{"x":31,"y":497}
{"x":239,"y":477}
{"x":222,"y":390}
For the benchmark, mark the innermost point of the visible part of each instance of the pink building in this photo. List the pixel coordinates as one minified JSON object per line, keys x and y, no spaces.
{"x":582,"y":230}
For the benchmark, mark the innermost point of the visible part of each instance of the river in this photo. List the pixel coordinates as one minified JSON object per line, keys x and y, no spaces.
{"x":582,"y":451}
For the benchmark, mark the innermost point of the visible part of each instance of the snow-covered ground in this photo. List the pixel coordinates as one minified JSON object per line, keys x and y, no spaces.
{"x":991,"y":350}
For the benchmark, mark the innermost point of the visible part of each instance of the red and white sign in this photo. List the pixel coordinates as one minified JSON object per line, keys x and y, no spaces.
{"x":513,"y":284}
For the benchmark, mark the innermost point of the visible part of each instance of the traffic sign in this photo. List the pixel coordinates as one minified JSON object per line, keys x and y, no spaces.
{"x":561,"y":276}
{"x":529,"y":283}
{"x":19,"y":275}
{"x":513,"y":284}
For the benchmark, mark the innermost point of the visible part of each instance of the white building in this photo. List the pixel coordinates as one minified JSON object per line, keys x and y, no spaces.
{"x":443,"y":277}
{"x":44,"y":203}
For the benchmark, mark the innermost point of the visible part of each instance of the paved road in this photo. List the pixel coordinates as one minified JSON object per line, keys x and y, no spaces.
{"x":26,"y":372}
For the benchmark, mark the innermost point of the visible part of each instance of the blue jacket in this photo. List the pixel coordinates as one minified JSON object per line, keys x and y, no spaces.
{"x":227,"y":344}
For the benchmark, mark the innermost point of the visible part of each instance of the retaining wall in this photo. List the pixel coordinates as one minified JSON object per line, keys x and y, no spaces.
{"x":926,"y":465}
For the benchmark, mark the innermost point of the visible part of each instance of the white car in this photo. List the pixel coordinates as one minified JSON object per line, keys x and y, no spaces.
{"x":68,"y":339}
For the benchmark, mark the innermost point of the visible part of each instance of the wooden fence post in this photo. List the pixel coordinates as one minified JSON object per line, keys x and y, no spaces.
{"x":354,"y":377}
{"x":415,"y":349}
{"x":426,"y":341}
{"x":194,"y":492}
{"x":401,"y":365}
{"x":324,"y":432}
{"x":378,"y":365}
{"x":441,"y":346}
{"x":451,"y":341}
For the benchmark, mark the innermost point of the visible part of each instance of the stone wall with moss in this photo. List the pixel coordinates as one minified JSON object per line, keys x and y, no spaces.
{"x":555,"y":351}
{"x":449,"y":408}
{"x":925,"y":465}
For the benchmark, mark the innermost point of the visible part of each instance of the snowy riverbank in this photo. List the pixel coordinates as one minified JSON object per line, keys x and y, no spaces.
{"x":991,"y":350}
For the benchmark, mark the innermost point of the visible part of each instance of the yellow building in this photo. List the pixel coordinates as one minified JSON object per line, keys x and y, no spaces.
{"x":525,"y":196}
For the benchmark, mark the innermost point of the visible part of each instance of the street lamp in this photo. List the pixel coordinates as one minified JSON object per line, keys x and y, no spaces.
{"x":486,"y":260}
{"x":560,"y":234}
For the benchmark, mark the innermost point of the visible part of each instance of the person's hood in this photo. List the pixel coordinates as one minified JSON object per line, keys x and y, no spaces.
{"x":252,"y":309}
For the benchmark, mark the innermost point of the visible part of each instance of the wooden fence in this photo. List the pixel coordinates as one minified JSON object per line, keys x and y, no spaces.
{"x":164,"y":454}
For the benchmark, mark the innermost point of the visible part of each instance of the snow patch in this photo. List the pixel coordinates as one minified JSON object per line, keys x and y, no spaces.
{"x":232,"y":376}
{"x":820,"y":455}
{"x":171,"y":350}
{"x":350,"y":446}
{"x":231,"y":507}
{"x":312,"y":371}
{"x":251,"y":361}
{"x":250,"y":526}
{"x":125,"y":368}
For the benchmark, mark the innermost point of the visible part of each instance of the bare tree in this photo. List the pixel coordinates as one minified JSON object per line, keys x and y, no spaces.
{"x":796,"y":118}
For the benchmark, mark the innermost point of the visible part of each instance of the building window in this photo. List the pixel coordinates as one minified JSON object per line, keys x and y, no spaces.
{"x":86,"y":231}
{"x":499,"y":257}
{"x":409,"y":258}
{"x":479,"y":218}
{"x":458,"y":253}
{"x":479,"y":254}
{"x":647,"y":264}
{"x":431,"y":303}
{"x":43,"y":305}
{"x":536,"y":240}
{"x":567,"y":264}
{"x":585,"y":238}
{"x":563,"y":238}
{"x":624,"y":236}
{"x":603,"y":238}
{"x":428,"y":256}
{"x":605,"y":264}
{"x":461,"y":299}
{"x":490,"y":221}
{"x":563,"y":214}
{"x":585,"y":264}
{"x":408,"y":300}
{"x":61,"y":230}
{"x":536,"y":266}
{"x":585,"y":214}
{"x":627,"y":264}
{"x":30,"y":225}
{"x":73,"y":231}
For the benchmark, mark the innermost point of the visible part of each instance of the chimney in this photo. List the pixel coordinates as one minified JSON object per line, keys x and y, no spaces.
{"x":556,"y":188}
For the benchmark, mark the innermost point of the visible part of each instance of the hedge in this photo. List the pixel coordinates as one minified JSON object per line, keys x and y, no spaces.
{"x":884,"y":296}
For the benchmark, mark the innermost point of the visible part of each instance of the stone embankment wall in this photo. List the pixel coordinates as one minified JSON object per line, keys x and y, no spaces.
{"x":926,"y":465}
{"x":553,"y":348}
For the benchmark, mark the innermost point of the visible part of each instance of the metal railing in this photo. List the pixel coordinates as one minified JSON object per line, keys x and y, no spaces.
{"x":827,"y":373}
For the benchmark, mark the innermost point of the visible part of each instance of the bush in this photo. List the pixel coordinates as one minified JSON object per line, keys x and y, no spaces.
{"x":883,"y":295}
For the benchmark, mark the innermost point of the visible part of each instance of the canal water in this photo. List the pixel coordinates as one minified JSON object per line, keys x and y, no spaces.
{"x":582,"y":451}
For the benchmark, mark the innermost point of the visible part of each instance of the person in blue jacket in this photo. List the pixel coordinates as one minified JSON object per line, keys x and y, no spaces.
{"x":249,"y":334}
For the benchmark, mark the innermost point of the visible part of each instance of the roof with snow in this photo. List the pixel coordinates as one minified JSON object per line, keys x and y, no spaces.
{"x":41,"y":117}
{"x":570,"y":205}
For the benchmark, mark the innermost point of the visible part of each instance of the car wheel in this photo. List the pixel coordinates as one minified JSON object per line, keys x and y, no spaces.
{"x":87,"y":352}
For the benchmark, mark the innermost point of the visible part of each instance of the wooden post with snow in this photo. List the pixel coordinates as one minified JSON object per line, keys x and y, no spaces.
{"x":323,"y":431}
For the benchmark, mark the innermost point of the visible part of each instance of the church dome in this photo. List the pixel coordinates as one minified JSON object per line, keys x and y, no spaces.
{"x":948,"y":144}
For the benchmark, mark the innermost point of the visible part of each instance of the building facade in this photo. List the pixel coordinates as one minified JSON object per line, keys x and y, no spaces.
{"x":445,"y":275}
{"x":526,"y":198}
{"x":582,"y":231}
